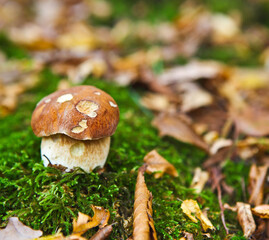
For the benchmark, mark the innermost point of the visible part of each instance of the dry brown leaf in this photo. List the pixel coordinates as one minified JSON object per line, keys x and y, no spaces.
{"x":187,"y":236}
{"x":190,"y":207}
{"x":193,"y":96}
{"x":156,"y":102}
{"x":156,"y":163}
{"x":143,"y":221}
{"x":245,"y":218}
{"x":262,"y":211}
{"x":199,"y":180}
{"x":190,"y":72}
{"x":102,"y":233}
{"x":85,"y":222}
{"x":257,"y":176}
{"x":17,"y":230}
{"x":176,"y":126}
{"x":218,"y":157}
{"x":213,"y":117}
{"x":247,"y":91}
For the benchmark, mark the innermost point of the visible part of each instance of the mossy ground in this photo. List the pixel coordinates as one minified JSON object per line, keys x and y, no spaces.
{"x":47,"y":199}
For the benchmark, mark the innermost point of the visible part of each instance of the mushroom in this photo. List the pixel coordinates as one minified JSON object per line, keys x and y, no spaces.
{"x":75,"y":125}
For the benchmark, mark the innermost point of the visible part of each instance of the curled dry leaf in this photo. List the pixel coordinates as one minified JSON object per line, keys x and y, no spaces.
{"x":156,"y":163}
{"x":102,"y":233}
{"x":143,"y":221}
{"x":175,"y":125}
{"x":257,"y":176}
{"x":85,"y":222}
{"x":190,"y":207}
{"x":199,"y":180}
{"x":245,"y":218}
{"x":262,"y":211}
{"x":17,"y":230}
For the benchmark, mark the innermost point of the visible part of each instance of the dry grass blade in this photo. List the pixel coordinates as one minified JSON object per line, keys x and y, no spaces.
{"x":156,"y":163}
{"x":143,"y":221}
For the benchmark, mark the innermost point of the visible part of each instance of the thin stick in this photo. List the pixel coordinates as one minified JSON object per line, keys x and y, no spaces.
{"x":222,"y":210}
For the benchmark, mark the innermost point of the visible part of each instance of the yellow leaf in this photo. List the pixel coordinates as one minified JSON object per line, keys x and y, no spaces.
{"x":190,"y":207}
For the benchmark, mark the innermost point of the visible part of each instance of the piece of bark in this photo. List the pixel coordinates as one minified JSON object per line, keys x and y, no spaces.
{"x":257,"y":176}
{"x":156,"y":163}
{"x":143,"y":221}
{"x":245,"y":218}
{"x":175,"y":125}
{"x":102,"y":233}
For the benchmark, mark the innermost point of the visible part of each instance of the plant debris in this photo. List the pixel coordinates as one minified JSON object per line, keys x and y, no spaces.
{"x":17,"y":230}
{"x":190,"y":207}
{"x":158,"y":165}
{"x":143,"y":220}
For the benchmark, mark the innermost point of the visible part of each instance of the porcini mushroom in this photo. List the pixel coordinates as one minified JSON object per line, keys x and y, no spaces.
{"x":75,"y":125}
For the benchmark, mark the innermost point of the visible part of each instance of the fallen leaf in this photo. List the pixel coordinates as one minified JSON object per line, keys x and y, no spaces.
{"x":190,"y":72}
{"x":187,"y":236}
{"x":193,"y":96}
{"x":218,"y":157}
{"x":176,"y":126}
{"x":156,"y":102}
{"x":246,"y":90}
{"x":102,"y":233}
{"x":213,"y":117}
{"x":156,"y":163}
{"x":245,"y":218}
{"x":143,"y":221}
{"x":190,"y":207}
{"x":17,"y":230}
{"x":199,"y":180}
{"x":219,"y":144}
{"x":262,"y":211}
{"x":257,"y":176}
{"x":85,"y":222}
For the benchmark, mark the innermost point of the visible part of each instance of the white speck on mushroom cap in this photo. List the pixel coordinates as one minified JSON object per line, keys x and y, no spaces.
{"x":87,"y":107}
{"x":112,"y":104}
{"x":47,"y":100}
{"x":82,"y":126}
{"x":64,"y":98}
{"x":97,"y":93}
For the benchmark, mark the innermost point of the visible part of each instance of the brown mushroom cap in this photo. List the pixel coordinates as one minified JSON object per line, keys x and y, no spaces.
{"x":82,"y":112}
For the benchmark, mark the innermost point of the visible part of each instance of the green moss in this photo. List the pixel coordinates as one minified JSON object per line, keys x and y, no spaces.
{"x":10,"y":49}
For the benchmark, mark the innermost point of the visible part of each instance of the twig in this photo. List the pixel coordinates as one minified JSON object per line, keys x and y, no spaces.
{"x":217,"y":177}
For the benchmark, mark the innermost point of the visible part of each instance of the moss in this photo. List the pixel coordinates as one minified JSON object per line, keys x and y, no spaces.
{"x":10,"y":49}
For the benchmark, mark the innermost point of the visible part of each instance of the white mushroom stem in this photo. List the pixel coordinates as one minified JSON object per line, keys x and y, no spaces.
{"x":64,"y":151}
